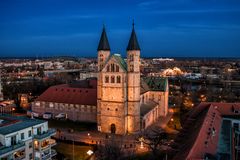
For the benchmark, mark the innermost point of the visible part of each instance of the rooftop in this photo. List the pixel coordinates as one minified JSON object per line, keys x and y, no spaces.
{"x":156,"y":83}
{"x":12,"y":124}
{"x":84,"y":93}
{"x":146,"y":107}
{"x":203,"y":130}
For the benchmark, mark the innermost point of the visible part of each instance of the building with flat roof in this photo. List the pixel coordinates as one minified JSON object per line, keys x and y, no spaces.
{"x":26,"y":139}
{"x":211,"y":131}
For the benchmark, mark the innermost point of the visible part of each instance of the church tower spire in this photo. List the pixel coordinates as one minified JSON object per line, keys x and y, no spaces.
{"x":133,"y":80}
{"x":103,"y":43}
{"x":133,"y":42}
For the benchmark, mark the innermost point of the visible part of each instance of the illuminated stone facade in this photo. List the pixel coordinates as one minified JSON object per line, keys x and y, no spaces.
{"x":119,"y":91}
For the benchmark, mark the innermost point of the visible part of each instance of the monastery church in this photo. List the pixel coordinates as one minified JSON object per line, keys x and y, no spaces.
{"x":119,"y":100}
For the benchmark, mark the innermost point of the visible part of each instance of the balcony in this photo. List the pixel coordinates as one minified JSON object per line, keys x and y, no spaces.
{"x":45,"y":134}
{"x":4,"y":149}
{"x":53,"y":152}
{"x":47,"y":155}
{"x":48,"y":143}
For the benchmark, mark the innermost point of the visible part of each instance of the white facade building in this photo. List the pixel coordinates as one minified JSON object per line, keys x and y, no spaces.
{"x":23,"y":138}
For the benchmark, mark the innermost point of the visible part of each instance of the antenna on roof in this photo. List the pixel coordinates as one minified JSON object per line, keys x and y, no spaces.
{"x":133,"y":23}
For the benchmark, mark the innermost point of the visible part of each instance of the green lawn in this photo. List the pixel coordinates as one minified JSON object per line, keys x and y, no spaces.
{"x":80,"y":152}
{"x":76,"y":126}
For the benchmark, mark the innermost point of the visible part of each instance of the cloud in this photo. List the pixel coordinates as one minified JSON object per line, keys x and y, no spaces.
{"x":179,"y":11}
{"x":147,"y":4}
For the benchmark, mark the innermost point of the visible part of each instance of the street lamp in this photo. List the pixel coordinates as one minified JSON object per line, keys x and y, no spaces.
{"x":141,"y":142}
{"x":89,"y":152}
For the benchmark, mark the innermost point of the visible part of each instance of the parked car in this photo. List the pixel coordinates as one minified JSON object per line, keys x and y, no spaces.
{"x":32,"y":114}
{"x":61,"y":116}
{"x":47,"y":115}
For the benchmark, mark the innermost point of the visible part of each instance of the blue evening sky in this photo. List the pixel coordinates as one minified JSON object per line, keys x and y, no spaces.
{"x":165,"y":28}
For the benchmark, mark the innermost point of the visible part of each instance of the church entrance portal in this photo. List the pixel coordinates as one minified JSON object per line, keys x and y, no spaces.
{"x":113,"y":128}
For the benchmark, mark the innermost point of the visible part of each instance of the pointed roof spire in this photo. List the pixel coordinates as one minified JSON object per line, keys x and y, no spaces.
{"x":103,"y":43}
{"x":133,"y":42}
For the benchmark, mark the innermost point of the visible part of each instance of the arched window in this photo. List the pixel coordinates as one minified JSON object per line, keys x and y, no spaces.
{"x":131,"y":57}
{"x":118,"y":79}
{"x":112,"y":68}
{"x":112,"y":79}
{"x":117,"y":68}
{"x":131,"y":68}
{"x":106,"y":79}
{"x":108,"y":68}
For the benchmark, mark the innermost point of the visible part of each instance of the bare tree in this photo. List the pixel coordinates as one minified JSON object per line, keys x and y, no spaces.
{"x":111,"y":150}
{"x":154,"y":138}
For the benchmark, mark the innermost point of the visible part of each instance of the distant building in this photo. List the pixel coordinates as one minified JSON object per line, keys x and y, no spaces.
{"x":86,"y":75}
{"x":26,"y":139}
{"x":1,"y":93}
{"x":77,"y":100}
{"x":211,"y":131}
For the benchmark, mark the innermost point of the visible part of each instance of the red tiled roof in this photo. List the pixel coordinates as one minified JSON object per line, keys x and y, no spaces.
{"x":200,"y":139}
{"x":71,"y":94}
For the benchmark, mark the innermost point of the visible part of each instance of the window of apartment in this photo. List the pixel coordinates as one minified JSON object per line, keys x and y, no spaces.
{"x":106,"y":79}
{"x":39,"y":130}
{"x":235,"y":126}
{"x":118,"y":79}
{"x":30,"y":156}
{"x":108,"y":68}
{"x":30,"y":144}
{"x":29,"y":133}
{"x":112,"y":79}
{"x":22,"y":136}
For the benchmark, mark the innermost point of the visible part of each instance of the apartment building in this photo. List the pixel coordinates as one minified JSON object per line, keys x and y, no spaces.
{"x":22,"y":138}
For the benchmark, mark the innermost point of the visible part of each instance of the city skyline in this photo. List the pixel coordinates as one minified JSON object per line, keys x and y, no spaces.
{"x":165,"y":29}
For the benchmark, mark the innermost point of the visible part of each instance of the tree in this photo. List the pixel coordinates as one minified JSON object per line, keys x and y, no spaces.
{"x":155,"y":138}
{"x":111,"y":149}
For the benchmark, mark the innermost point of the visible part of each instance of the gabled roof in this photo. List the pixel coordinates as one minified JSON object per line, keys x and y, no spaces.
{"x":71,"y":94}
{"x":204,"y":131}
{"x":120,"y":61}
{"x":103,"y":43}
{"x":156,"y":83}
{"x":133,"y":42}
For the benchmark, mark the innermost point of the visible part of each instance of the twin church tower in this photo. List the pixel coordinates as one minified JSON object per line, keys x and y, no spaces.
{"x":118,"y":97}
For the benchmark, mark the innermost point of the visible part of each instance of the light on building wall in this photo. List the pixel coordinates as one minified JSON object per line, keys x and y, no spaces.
{"x":172,"y":119}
